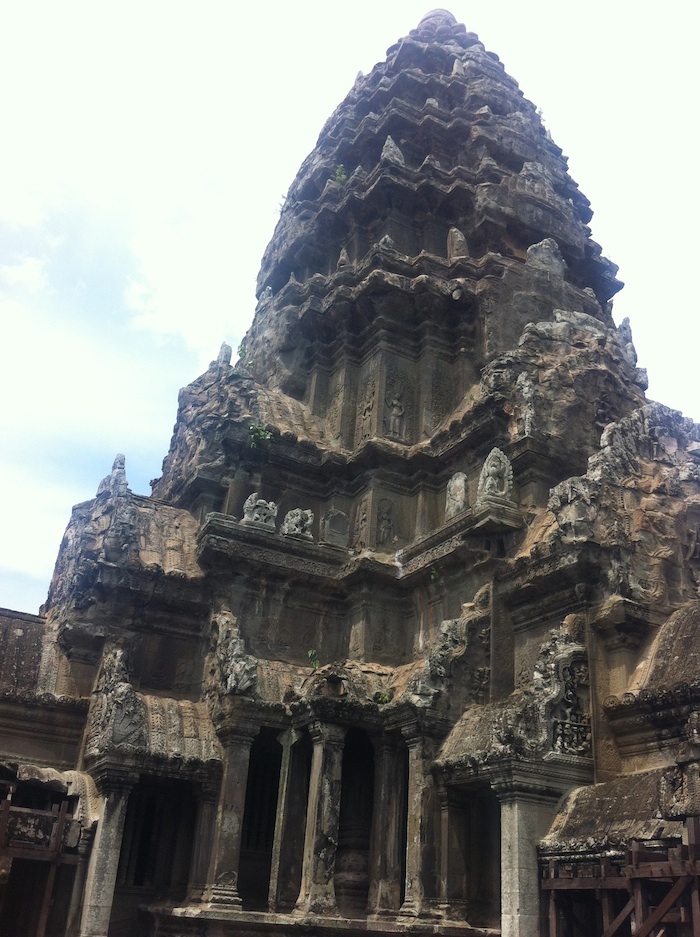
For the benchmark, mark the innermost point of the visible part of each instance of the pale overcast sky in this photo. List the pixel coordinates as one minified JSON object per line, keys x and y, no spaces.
{"x":147,"y":147}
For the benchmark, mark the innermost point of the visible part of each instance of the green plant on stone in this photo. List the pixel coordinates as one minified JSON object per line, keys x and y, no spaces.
{"x":312,"y":654}
{"x":244,"y":357}
{"x":258,"y":436}
{"x":341,"y":177}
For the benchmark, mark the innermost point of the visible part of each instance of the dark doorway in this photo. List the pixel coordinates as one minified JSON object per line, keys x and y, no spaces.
{"x":356,"y":806}
{"x":156,"y":850}
{"x":258,"y":833}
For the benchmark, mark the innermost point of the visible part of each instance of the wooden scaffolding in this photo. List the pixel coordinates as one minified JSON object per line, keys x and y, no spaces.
{"x":654,"y":891}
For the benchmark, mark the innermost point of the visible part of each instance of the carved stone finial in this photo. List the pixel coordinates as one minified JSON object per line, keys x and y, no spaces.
{"x":545,"y":255}
{"x":438,"y":24}
{"x":624,"y":331}
{"x":456,"y":245}
{"x":115,"y":482}
{"x":224,"y":359}
{"x":392,"y":153}
{"x":343,"y":260}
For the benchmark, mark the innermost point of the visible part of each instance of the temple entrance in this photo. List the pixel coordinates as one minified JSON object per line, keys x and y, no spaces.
{"x":356,"y":806}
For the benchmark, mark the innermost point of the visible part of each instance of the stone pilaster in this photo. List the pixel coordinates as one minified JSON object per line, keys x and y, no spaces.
{"x":223,"y":874}
{"x":317,"y":893}
{"x":389,"y":814}
{"x":104,"y":858}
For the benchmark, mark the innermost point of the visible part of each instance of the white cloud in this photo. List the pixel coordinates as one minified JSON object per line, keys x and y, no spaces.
{"x":150,"y":146}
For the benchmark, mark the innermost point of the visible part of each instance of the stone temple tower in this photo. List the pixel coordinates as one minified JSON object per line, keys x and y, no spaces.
{"x":404,"y":638}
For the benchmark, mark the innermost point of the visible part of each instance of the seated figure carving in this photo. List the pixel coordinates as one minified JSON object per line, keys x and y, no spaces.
{"x":496,"y":479}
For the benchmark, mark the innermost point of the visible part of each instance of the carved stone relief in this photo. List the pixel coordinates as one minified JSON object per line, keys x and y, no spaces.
{"x":527,"y":403}
{"x":117,"y":716}
{"x":496,"y":479}
{"x":297,"y":523}
{"x":395,"y":417}
{"x":398,"y":406}
{"x":335,"y":528}
{"x":385,"y":523}
{"x":439,"y":397}
{"x":571,"y":725}
{"x":334,"y":412}
{"x":259,"y":513}
{"x":365,"y":414}
{"x":457,"y":495}
{"x":360,"y":540}
{"x":228,"y":668}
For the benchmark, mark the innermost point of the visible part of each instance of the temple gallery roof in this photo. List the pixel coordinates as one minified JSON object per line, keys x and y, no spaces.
{"x":608,"y":816}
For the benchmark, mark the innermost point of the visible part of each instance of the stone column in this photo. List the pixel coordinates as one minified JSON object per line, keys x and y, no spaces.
{"x":388,"y":816}
{"x":317,"y":893}
{"x":223,"y":871}
{"x":104,"y":858}
{"x":204,"y":837}
{"x":420,"y":820}
{"x":286,"y":740}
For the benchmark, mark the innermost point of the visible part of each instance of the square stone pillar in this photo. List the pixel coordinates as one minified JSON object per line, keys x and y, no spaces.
{"x":282,"y":819}
{"x":529,"y":793}
{"x":420,"y":823}
{"x":387,"y":819}
{"x":223,"y":873}
{"x":317,"y":893}
{"x":524,"y":821}
{"x":204,"y":837}
{"x":104,"y":857}
{"x":76,"y":897}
